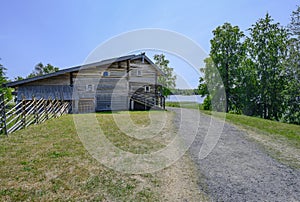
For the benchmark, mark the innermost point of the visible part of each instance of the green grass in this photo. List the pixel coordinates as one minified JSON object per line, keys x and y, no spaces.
{"x":189,"y":105}
{"x":122,"y":140}
{"x":267,"y":127}
{"x":48,"y":162}
{"x":289,"y":131}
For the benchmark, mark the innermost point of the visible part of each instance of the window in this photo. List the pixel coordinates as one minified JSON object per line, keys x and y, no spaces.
{"x":139,"y":72}
{"x":147,"y":89}
{"x":105,"y":74}
{"x":89,"y":87}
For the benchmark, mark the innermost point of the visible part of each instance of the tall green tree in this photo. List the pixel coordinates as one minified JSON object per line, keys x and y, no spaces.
{"x":294,"y":25}
{"x":168,"y":80}
{"x":267,"y":49}
{"x":204,"y":82}
{"x":247,"y":85}
{"x":40,"y":69}
{"x":211,"y":86}
{"x":226,"y":51}
{"x":292,"y":93}
{"x":3,"y":79}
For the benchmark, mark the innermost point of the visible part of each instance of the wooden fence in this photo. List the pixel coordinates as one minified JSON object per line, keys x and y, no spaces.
{"x":27,"y":112}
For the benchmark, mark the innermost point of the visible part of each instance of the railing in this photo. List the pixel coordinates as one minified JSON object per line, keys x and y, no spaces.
{"x":27,"y":112}
{"x":149,"y":100}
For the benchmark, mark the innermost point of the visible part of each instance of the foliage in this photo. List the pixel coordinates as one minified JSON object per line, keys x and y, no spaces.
{"x":210,"y":86}
{"x":226,"y":53}
{"x":185,"y":92}
{"x":267,"y":50}
{"x":40,"y":69}
{"x":261,"y":75}
{"x":294,"y":25}
{"x":247,"y":86}
{"x":292,"y":93}
{"x":168,"y":80}
{"x":18,"y":78}
{"x":203,"y":91}
{"x":3,"y":79}
{"x":207,"y":103}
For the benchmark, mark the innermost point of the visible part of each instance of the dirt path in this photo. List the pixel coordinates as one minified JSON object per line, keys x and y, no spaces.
{"x":238,"y":170}
{"x":179,"y":182}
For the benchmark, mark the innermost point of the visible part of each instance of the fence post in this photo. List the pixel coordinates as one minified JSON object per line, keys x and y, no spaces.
{"x":35,"y":112}
{"x":67,"y":109}
{"x":57,"y":108}
{"x":23,"y":112}
{"x":45,"y":108}
{"x":3,"y":114}
{"x":50,"y":108}
{"x":54,"y":109}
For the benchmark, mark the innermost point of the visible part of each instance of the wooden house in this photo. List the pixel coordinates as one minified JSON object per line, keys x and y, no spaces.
{"x":124,"y":83}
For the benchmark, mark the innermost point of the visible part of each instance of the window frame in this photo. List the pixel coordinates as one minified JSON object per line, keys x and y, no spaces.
{"x":147,"y":89}
{"x":106,"y":74}
{"x":89,"y":88}
{"x":139,"y":72}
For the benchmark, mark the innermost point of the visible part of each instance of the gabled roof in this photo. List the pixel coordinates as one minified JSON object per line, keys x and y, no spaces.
{"x":77,"y":68}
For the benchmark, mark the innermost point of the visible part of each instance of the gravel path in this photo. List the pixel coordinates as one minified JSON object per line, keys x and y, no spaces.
{"x":237,"y":169}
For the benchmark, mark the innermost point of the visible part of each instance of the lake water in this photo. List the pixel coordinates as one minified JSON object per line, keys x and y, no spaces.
{"x":185,"y":98}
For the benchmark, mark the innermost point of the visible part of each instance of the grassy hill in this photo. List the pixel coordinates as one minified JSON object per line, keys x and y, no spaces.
{"x":48,"y":162}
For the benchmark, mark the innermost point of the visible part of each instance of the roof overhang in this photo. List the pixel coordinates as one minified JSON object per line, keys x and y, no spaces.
{"x":77,"y":68}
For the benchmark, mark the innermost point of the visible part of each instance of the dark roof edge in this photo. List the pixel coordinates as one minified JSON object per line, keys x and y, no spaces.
{"x":77,"y":68}
{"x":63,"y":71}
{"x":67,"y":70}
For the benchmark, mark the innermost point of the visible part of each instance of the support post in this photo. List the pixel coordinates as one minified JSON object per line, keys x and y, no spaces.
{"x":23,"y":112}
{"x":3,"y":115}
{"x":45,"y":109}
{"x":35,"y":111}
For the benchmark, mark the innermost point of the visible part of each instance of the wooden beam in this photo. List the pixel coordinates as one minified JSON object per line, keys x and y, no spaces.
{"x":71,"y":78}
{"x":140,"y":65}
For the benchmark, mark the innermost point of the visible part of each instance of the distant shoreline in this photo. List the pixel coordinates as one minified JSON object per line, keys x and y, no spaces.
{"x":185,"y":98}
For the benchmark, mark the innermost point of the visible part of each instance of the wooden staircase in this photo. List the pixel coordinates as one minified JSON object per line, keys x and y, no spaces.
{"x":149,"y":100}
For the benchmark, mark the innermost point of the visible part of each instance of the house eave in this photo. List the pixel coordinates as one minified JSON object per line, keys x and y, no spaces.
{"x":77,"y":68}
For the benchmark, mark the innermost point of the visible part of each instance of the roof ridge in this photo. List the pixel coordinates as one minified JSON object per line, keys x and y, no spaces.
{"x":76,"y":68}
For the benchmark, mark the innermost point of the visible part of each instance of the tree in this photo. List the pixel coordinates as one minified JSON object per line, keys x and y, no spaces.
{"x":212,"y":87}
{"x":247,"y":82}
{"x":204,"y":82}
{"x":261,"y":75}
{"x":226,"y":51}
{"x":40,"y":69}
{"x":294,"y":25}
{"x":168,"y":80}
{"x":267,"y":51}
{"x":203,"y":91}
{"x":18,"y":78}
{"x":3,"y":79}
{"x":292,"y":93}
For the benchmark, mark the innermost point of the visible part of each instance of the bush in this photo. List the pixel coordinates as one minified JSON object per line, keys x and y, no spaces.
{"x":207,"y":103}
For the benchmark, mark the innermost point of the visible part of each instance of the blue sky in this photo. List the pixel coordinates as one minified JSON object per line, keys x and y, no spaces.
{"x":64,"y":32}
